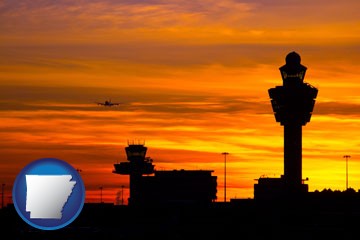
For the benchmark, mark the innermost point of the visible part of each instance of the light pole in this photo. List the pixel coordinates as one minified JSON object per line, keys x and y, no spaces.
{"x":347,"y":170}
{"x":225,"y":154}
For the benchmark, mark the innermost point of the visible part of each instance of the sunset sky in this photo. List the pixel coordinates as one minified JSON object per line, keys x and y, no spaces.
{"x":192,"y":77}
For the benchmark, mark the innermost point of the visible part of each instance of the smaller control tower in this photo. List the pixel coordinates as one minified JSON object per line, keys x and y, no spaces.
{"x":138,"y":165}
{"x":164,"y":187}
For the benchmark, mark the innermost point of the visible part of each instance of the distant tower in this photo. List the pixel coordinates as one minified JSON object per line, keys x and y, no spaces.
{"x":293,"y":104}
{"x":137,"y":165}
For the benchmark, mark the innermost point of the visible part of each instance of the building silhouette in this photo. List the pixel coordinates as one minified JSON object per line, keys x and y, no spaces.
{"x":165,"y":187}
{"x":293,"y":104}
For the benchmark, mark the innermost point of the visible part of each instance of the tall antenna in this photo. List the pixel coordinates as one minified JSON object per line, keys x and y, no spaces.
{"x":347,"y":172}
{"x":225,"y":154}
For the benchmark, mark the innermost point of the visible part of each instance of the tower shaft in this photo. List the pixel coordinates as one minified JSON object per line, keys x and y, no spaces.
{"x":293,"y":153}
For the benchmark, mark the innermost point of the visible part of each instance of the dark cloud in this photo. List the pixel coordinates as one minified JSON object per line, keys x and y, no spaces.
{"x":82,"y":58}
{"x":337,"y":108}
{"x":18,"y":98}
{"x":22,"y":96}
{"x":31,"y":98}
{"x":78,"y":56}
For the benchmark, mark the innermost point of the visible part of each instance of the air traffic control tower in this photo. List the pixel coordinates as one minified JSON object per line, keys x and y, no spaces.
{"x":293,"y":104}
{"x":149,"y":187}
{"x":138,"y":165}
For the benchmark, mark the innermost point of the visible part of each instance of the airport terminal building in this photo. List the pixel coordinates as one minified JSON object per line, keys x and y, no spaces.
{"x":151,"y":187}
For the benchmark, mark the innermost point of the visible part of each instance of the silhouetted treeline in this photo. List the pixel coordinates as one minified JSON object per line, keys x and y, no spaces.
{"x":329,"y":191}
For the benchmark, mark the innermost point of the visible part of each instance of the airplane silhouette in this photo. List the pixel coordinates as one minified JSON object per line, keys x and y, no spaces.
{"x":107,"y":103}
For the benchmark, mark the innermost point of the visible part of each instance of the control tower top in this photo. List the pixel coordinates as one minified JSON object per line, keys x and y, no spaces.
{"x":293,"y":73}
{"x":135,"y":152}
{"x":138,"y":163}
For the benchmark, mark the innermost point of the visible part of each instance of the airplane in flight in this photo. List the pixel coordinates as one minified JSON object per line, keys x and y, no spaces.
{"x":107,"y":103}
